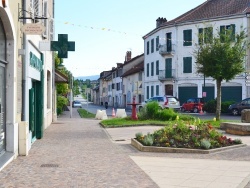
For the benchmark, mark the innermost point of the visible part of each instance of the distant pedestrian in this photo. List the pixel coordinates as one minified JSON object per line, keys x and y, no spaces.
{"x":106,"y":105}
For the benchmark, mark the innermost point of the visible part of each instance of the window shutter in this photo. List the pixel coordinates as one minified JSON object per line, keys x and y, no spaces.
{"x":152,"y":91}
{"x":45,"y":21}
{"x":187,"y":37}
{"x":152,"y":45}
{"x":157,"y":67}
{"x":157,"y":89}
{"x":200,"y":36}
{"x":147,"y":47}
{"x":51,"y":29}
{"x":169,"y":42}
{"x":157,"y":43}
{"x":222,"y":33}
{"x":147,"y":92}
{"x":147,"y":69}
{"x":187,"y":64}
{"x":233,"y":32}
{"x":152,"y":69}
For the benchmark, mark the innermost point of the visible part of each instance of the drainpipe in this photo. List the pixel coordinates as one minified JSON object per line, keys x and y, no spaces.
{"x":24,"y":66}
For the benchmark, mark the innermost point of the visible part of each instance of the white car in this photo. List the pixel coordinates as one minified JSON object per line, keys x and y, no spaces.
{"x":166,"y":101}
{"x":76,"y":104}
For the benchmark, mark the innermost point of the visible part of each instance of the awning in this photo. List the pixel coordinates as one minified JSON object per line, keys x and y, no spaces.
{"x":60,"y":77}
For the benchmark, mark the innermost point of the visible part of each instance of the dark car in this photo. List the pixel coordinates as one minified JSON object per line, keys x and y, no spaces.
{"x":193,"y":105}
{"x":236,"y":108}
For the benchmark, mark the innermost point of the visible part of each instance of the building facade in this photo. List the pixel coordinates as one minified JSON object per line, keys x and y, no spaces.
{"x":26,"y":76}
{"x":169,"y":52}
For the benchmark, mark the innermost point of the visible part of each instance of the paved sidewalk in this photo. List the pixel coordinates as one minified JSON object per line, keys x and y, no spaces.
{"x":77,"y":152}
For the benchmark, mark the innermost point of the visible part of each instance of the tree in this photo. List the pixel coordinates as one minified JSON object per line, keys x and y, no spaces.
{"x":222,"y":58}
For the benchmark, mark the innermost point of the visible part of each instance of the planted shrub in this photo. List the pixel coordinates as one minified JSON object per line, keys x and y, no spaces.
{"x":143,"y":115}
{"x":148,"y":140}
{"x":237,"y":141}
{"x":205,"y":144}
{"x":138,"y":135}
{"x":166,"y":115}
{"x":210,"y":106}
{"x":152,"y":109}
{"x":196,"y":135}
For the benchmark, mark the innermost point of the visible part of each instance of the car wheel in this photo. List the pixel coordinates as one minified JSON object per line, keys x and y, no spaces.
{"x":195,"y":110}
{"x":235,"y":112}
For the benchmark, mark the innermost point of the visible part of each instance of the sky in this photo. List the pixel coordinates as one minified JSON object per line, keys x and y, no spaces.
{"x":104,"y":30}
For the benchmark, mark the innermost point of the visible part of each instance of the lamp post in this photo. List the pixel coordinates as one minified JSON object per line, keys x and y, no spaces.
{"x":71,"y":93}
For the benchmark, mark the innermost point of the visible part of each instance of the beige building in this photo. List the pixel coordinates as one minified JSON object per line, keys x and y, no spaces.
{"x":26,"y":76}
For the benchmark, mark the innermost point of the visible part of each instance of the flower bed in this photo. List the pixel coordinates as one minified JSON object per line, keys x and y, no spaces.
{"x":182,"y":135}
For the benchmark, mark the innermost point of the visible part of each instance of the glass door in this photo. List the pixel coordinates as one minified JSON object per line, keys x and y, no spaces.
{"x":2,"y":109}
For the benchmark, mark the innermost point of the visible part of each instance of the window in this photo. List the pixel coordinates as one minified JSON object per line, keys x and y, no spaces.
{"x":227,"y":28}
{"x":113,"y":74}
{"x":113,"y":86}
{"x":152,"y":91}
{"x":157,"y":89}
{"x":157,"y":43}
{"x":187,"y":64}
{"x":205,"y":35}
{"x":152,"y":69}
{"x":157,"y":67}
{"x":152,"y":45}
{"x":169,"y":42}
{"x":117,"y":86}
{"x":147,"y":69}
{"x":140,"y":76}
{"x":147,"y":47}
{"x":147,"y":92}
{"x":187,"y":37}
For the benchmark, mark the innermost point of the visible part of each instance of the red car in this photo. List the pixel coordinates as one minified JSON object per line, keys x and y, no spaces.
{"x":193,"y":105}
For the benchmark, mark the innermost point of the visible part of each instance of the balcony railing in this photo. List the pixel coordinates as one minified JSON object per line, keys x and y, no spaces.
{"x":166,"y":50}
{"x":165,"y":75}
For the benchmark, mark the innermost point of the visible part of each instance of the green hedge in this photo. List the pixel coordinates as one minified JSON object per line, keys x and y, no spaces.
{"x":210,"y":106}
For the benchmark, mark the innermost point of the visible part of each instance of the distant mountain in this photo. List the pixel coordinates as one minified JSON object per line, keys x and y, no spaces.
{"x":93,"y":77}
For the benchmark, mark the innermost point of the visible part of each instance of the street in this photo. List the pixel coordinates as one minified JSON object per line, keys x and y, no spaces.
{"x":92,"y":108}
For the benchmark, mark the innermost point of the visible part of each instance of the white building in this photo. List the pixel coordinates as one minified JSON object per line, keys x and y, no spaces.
{"x":133,"y":79}
{"x":169,"y":61}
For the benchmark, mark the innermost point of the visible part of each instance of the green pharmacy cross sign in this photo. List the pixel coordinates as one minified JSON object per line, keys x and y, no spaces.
{"x":62,"y":46}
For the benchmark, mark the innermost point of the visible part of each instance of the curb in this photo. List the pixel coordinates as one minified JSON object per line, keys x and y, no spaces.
{"x":142,"y":148}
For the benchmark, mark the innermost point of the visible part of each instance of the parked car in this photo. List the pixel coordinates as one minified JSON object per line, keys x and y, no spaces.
{"x":166,"y":101}
{"x":193,"y":105}
{"x":236,"y":108}
{"x":76,"y":104}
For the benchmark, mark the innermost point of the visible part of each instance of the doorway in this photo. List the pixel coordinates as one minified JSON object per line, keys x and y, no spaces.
{"x":169,"y":89}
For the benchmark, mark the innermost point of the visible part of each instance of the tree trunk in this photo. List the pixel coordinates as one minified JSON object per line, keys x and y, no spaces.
{"x":218,"y":104}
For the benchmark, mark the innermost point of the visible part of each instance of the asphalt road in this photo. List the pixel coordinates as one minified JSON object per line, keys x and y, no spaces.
{"x":93,"y":109}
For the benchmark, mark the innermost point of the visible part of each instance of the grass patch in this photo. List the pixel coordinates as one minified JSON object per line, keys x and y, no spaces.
{"x":85,"y":114}
{"x":126,"y":122}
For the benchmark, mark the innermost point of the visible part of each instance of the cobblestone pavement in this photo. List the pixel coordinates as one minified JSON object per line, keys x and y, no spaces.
{"x":75,"y":153}
{"x":79,"y":153}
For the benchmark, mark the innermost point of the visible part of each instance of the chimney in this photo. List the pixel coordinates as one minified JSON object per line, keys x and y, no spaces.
{"x":128,"y":56}
{"x":160,"y":21}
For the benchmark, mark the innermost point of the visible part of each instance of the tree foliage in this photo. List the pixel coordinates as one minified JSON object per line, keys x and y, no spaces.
{"x":222,"y":59}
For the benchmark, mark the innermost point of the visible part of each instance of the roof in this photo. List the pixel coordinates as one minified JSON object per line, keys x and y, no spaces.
{"x":139,"y":67}
{"x":60,"y":77}
{"x":212,"y":9}
{"x":133,"y":59}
